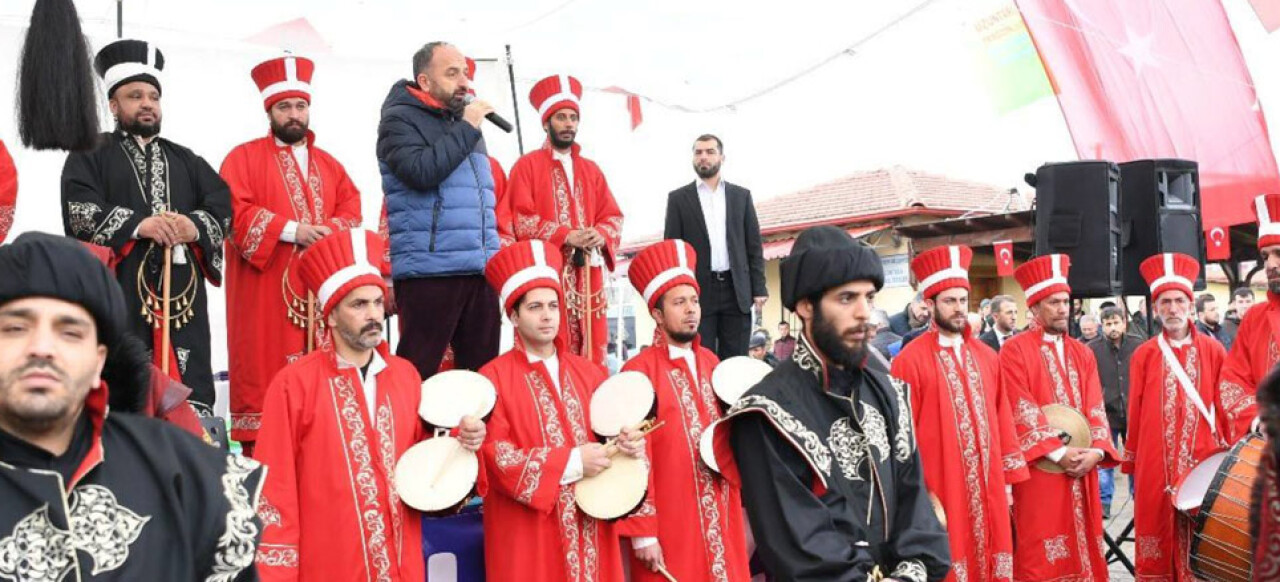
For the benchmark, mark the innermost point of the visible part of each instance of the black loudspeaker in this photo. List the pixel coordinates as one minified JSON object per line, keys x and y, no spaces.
{"x":1078,"y":214}
{"x":1160,"y":211}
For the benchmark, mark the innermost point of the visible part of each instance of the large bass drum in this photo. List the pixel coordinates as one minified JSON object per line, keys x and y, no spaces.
{"x":1222,"y":549}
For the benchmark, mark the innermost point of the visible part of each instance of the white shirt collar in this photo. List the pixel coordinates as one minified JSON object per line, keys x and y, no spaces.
{"x":552,"y":363}
{"x":535,"y":358}
{"x":678,"y":352}
{"x":1178,"y":343}
{"x":950,"y":342}
{"x":1052,"y":338}
{"x":703,"y":188}
{"x":302,"y":144}
{"x":566,"y":157}
{"x":376,"y":365}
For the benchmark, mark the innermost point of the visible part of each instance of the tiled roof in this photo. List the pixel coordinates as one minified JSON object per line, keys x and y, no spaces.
{"x":873,"y":193}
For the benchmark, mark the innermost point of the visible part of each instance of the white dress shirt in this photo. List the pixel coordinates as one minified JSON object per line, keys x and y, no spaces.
{"x":303,"y":157}
{"x":690,"y":359}
{"x":713,"y":213}
{"x":368,"y":381}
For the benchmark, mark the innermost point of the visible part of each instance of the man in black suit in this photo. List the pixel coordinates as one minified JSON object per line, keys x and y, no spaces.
{"x":719,"y":220}
{"x":1004,"y":316}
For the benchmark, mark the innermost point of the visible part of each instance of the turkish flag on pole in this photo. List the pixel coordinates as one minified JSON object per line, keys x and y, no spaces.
{"x":1140,"y":80}
{"x":1004,"y":257}
{"x":1217,"y":244}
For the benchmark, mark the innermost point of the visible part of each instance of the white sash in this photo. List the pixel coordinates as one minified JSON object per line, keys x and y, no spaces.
{"x":1187,"y":388}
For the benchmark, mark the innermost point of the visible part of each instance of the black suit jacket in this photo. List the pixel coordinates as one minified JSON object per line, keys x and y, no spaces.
{"x":746,"y":255}
{"x":989,"y":337}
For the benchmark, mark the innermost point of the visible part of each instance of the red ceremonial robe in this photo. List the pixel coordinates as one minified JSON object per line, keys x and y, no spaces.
{"x":330,"y":510}
{"x":694,"y":512}
{"x":540,"y":204}
{"x":1058,"y":518}
{"x":1168,"y":436}
{"x":8,"y":191}
{"x":533,"y":529}
{"x":266,"y":305}
{"x":1254,"y":352}
{"x":969,"y":449}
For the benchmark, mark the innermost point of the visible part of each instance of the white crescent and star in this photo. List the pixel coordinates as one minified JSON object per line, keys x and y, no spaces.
{"x":1217,"y":234}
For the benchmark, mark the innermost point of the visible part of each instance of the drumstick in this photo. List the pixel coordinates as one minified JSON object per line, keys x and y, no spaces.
{"x":444,"y":467}
{"x":166,"y":342}
{"x":646,"y":427}
{"x":666,"y":574}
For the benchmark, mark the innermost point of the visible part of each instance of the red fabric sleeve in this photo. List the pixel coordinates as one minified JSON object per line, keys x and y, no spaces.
{"x":255,"y":231}
{"x":278,"y":507}
{"x":347,"y":213}
{"x":1012,"y":461}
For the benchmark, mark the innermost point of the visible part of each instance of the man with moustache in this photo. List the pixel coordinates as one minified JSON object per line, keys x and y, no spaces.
{"x":1059,"y":515}
{"x":91,"y":493}
{"x":1256,"y":347}
{"x":1173,"y":418}
{"x":140,"y":194}
{"x":286,"y":194}
{"x":719,"y":220}
{"x":1113,"y":350}
{"x":540,"y":442}
{"x":556,"y":195}
{"x":440,"y":201}
{"x":824,"y":447}
{"x":1004,"y":318}
{"x":964,"y":425}
{"x":333,"y":426}
{"x":1241,"y":301}
{"x":691,"y":522}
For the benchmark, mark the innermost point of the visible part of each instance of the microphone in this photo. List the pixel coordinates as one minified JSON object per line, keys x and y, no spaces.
{"x":493,"y":116}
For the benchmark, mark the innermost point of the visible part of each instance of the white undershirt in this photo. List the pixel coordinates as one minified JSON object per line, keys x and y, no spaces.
{"x":369,"y":381}
{"x":303,"y":156}
{"x":689,"y":358}
{"x":713,"y":214}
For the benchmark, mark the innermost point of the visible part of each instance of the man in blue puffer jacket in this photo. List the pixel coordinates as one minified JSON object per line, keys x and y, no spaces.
{"x":440,"y":212}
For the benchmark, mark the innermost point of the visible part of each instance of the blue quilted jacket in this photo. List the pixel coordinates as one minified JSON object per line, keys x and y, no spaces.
{"x":439,"y":189}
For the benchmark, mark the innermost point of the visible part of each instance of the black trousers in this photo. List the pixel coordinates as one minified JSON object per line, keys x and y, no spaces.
{"x":724,"y":329}
{"x":437,"y":312}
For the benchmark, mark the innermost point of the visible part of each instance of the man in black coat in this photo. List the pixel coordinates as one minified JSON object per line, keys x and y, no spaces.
{"x":1113,"y":349}
{"x":1004,"y":318}
{"x":719,"y":220}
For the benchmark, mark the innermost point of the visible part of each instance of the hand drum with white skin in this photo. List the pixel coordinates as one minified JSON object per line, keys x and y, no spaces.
{"x":438,"y":474}
{"x":624,"y":400}
{"x":734,"y":376}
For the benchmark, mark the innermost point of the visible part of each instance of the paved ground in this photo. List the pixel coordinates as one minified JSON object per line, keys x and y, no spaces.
{"x":1121,"y":513}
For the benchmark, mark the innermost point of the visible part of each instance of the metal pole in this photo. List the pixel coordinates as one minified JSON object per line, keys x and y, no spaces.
{"x":515,"y":104}
{"x":119,"y":18}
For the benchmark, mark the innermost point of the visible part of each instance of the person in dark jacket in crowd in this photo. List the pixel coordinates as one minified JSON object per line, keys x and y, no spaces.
{"x":785,"y":344}
{"x":1241,"y":301}
{"x":441,"y":204}
{"x":758,"y":348}
{"x":1138,"y":323}
{"x":884,"y":336}
{"x":914,"y":316}
{"x":1112,"y":349}
{"x":1004,"y":319}
{"x":1209,"y":319}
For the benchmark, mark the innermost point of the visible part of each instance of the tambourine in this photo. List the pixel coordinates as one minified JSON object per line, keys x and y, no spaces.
{"x":1070,"y":426}
{"x":734,"y":376}
{"x":438,"y":475}
{"x":625,"y":399}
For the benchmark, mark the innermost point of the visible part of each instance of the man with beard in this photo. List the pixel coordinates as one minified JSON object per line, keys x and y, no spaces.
{"x":286,"y":194}
{"x":1173,"y":418}
{"x":964,"y":426}
{"x":1209,"y":319}
{"x":556,"y":195}
{"x":1004,"y":318}
{"x":1256,"y":347}
{"x":824,"y":448}
{"x":146,"y":197}
{"x":91,"y":493}
{"x":440,"y":201}
{"x":692,"y":521}
{"x":1241,"y":301}
{"x":333,"y":426}
{"x":540,"y":442}
{"x":1113,"y":351}
{"x":1057,"y":514}
{"x":719,"y":220}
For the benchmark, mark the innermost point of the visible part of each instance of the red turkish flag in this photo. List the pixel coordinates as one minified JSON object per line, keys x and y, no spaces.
{"x":1217,"y":244}
{"x":1139,"y":80}
{"x":1004,"y":257}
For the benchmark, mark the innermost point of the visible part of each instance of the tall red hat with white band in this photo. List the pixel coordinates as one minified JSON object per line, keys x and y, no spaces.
{"x":555,"y":93}
{"x":661,"y":266}
{"x":1267,"y":208}
{"x":942,"y":268}
{"x":339,"y":264}
{"x":284,"y":78}
{"x":522,"y":267}
{"x":1170,"y":271}
{"x":1043,"y":276}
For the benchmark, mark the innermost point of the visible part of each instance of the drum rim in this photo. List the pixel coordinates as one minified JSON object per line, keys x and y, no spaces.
{"x":1177,"y":491}
{"x":1210,"y":497}
{"x":638,"y":505}
{"x":444,"y":510}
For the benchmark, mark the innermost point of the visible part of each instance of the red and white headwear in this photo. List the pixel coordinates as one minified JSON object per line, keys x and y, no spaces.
{"x":284,"y":78}
{"x":1267,"y":208}
{"x":339,"y":264}
{"x":662,"y":266}
{"x":523,"y":267}
{"x":942,"y":268}
{"x":1043,"y":276}
{"x":1170,"y":271}
{"x":555,"y":93}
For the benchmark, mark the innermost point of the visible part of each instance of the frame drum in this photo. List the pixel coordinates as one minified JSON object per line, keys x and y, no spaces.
{"x":734,"y":376}
{"x":436,"y":474}
{"x":451,"y":395}
{"x":625,"y":399}
{"x":616,"y":491}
